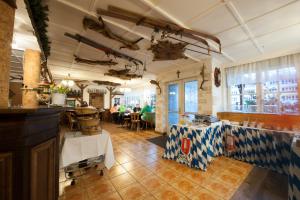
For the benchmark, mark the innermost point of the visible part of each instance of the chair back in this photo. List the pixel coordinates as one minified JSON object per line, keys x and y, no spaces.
{"x":149,"y":117}
{"x":134,"y":116}
{"x":71,"y":116}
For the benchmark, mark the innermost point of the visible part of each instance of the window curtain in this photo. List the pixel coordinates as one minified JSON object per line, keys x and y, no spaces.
{"x":275,"y":69}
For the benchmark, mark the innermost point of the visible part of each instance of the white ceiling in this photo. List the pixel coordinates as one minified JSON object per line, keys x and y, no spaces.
{"x":246,"y":28}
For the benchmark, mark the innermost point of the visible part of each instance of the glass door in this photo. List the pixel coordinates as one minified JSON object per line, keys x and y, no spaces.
{"x":173,"y":103}
{"x":182,"y":99}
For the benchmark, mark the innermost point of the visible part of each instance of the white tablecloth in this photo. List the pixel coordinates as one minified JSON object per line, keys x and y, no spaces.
{"x":78,"y":147}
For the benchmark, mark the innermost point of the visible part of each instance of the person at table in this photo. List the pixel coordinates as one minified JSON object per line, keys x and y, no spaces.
{"x":145,"y":109}
{"x":137,"y":108}
{"x":143,"y":116}
{"x":122,"y":110}
{"x":114,"y":112}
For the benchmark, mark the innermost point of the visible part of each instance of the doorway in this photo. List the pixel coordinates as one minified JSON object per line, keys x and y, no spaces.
{"x":182,"y":99}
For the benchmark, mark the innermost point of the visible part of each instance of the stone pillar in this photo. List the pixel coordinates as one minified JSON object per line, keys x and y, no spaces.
{"x":6,"y":32}
{"x":31,"y":78}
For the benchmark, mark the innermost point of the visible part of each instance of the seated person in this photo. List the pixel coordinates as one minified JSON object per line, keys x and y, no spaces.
{"x":114,"y":112}
{"x":137,"y":108}
{"x":145,"y":109}
{"x":122,"y":110}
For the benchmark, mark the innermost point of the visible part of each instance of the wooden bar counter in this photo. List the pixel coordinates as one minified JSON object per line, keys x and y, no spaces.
{"x":29,"y":149}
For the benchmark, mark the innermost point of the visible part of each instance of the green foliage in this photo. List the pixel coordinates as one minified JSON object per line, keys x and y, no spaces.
{"x":39,"y":17}
{"x":59,"y":89}
{"x":250,"y":102}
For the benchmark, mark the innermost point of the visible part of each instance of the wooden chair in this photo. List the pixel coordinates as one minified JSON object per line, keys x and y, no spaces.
{"x":149,"y":119}
{"x":72,"y":121}
{"x":126,"y":122}
{"x":135,"y":120}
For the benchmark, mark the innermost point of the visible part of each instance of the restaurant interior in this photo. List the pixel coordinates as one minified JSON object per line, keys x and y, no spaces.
{"x":149,"y":99}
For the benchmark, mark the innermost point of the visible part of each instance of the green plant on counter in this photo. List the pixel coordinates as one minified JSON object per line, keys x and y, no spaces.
{"x":59,"y":89}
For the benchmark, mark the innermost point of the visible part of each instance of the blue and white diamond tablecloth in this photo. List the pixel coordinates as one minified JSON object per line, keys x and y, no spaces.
{"x":205,"y":143}
{"x":263,"y":148}
{"x":294,"y":172}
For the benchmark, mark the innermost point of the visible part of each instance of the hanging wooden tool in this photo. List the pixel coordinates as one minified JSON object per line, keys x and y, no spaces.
{"x":122,"y":74}
{"x":166,"y":50}
{"x":165,"y":26}
{"x":101,"y":28}
{"x":95,"y":62}
{"x":108,"y":51}
{"x":108,"y":83}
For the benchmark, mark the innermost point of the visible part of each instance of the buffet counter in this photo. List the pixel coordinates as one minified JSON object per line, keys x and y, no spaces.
{"x":194,"y":146}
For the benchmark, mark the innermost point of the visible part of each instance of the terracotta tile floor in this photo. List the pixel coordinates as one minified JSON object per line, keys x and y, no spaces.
{"x":141,"y":173}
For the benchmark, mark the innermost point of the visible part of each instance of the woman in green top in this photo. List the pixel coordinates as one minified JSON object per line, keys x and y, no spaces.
{"x":145,"y":109}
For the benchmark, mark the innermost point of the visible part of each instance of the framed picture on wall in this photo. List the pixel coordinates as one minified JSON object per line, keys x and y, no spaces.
{"x":71,"y":102}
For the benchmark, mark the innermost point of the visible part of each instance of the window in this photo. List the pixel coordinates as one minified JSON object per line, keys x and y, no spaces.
{"x":281,"y":96}
{"x":243,"y":98}
{"x":275,"y":92}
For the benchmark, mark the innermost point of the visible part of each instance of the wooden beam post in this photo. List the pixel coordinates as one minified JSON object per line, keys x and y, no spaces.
{"x":31,"y":74}
{"x":111,"y":95}
{"x":81,"y":87}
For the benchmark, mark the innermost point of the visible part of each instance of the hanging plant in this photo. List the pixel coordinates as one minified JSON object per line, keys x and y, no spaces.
{"x":38,"y":14}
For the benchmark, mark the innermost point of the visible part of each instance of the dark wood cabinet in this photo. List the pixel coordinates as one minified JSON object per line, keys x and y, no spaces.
{"x":29,"y":140}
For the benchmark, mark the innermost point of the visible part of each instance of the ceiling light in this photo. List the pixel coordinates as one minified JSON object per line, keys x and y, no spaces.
{"x":68,"y":82}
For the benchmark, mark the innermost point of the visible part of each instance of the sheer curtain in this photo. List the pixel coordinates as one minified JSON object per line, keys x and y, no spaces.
{"x":275,"y":69}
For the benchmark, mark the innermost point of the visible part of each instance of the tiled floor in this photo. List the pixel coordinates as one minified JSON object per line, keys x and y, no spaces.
{"x":141,"y":173}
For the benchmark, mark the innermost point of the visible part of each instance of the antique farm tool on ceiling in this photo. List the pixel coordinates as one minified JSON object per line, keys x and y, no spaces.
{"x":108,"y":51}
{"x":166,"y":50}
{"x":165,"y":27}
{"x":107,"y":83}
{"x":100,"y":27}
{"x":154,"y":82}
{"x":202,"y":74}
{"x":122,"y":74}
{"x":95,"y":62}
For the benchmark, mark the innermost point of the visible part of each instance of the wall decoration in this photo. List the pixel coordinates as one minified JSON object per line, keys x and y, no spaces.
{"x":202,"y":74}
{"x":122,"y":74}
{"x":108,"y":83}
{"x":154,"y":82}
{"x":166,"y":28}
{"x":217,"y":77}
{"x":108,"y":51}
{"x":178,"y":73}
{"x":38,"y":14}
{"x":100,"y":27}
{"x":166,"y":50}
{"x":95,"y":62}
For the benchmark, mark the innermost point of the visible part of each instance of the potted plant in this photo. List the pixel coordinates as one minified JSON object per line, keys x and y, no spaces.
{"x":58,"y":94}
